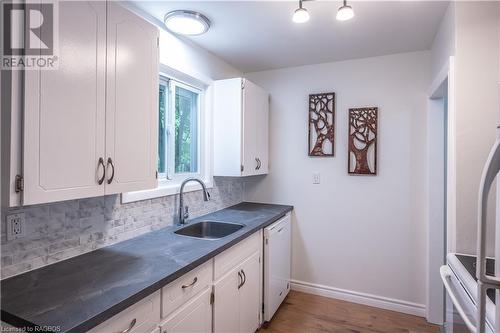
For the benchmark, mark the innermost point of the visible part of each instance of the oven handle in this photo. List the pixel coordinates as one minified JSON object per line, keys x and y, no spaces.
{"x":446,"y":274}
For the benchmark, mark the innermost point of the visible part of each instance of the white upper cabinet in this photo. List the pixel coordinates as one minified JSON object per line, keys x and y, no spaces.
{"x":132,"y":102}
{"x":255,"y":128}
{"x":241,"y":128}
{"x":79,"y":118}
{"x":64,"y":112}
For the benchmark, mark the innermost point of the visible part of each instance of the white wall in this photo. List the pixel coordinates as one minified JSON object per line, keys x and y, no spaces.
{"x":186,"y":57}
{"x":443,"y":45}
{"x":471,"y":32}
{"x":359,"y":233}
{"x":477,"y":108}
{"x":193,"y":60}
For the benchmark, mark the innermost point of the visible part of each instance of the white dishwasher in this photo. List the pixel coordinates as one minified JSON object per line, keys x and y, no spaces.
{"x":277,"y":262}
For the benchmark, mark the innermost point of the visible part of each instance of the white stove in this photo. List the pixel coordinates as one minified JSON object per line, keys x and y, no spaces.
{"x":459,"y":278}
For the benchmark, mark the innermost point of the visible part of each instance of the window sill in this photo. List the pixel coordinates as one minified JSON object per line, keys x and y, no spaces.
{"x":163,"y":191}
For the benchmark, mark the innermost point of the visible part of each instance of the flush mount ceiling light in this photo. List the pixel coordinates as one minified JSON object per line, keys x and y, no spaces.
{"x":186,"y":22}
{"x":345,"y":12}
{"x":300,"y":15}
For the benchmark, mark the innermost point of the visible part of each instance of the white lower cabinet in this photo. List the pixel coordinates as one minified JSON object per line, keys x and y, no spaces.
{"x":223,"y":295}
{"x":238,"y":293}
{"x":237,"y":298}
{"x":142,"y":317}
{"x":179,"y":292}
{"x":193,"y":317}
{"x":226,"y":306}
{"x":250,"y":294}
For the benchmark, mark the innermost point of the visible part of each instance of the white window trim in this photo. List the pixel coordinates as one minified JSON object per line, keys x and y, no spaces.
{"x":171,"y":187}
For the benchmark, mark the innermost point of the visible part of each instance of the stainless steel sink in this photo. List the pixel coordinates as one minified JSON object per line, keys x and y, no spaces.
{"x":209,"y":229}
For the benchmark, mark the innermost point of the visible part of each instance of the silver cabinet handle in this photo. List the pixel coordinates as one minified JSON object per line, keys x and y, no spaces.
{"x":446,"y":274}
{"x":244,"y":278}
{"x":258,"y":163}
{"x":240,"y":280}
{"x":190,"y":284}
{"x":110,"y":162}
{"x":101,"y":163}
{"x":132,"y":324}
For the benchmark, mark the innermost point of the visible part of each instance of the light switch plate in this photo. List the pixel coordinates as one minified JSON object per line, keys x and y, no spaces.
{"x":16,"y":226}
{"x":316,"y":178}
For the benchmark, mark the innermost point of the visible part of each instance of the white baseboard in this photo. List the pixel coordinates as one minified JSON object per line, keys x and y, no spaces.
{"x":360,"y":298}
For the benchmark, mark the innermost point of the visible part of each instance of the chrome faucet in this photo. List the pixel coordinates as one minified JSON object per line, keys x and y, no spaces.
{"x":184,"y":212}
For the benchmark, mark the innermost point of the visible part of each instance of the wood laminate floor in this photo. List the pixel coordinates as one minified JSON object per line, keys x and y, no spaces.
{"x":305,"y":313}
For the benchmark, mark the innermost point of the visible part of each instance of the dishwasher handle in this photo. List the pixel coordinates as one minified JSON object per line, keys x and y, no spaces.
{"x":446,"y":275}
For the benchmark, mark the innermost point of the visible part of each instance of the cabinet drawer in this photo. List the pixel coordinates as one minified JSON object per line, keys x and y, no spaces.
{"x":235,"y":255}
{"x":145,"y":313}
{"x":184,"y":288}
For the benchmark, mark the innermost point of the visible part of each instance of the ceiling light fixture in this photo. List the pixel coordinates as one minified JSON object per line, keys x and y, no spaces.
{"x":186,"y":22}
{"x":345,"y":12}
{"x":300,"y":15}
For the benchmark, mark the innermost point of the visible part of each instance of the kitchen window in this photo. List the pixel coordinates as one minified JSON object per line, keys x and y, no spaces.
{"x":184,"y":118}
{"x":178,"y":135}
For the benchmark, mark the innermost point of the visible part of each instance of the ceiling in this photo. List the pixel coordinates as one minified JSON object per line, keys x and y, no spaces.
{"x":260,"y":35}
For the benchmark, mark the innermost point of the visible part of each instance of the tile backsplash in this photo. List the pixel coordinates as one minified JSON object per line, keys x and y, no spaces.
{"x":61,"y":230}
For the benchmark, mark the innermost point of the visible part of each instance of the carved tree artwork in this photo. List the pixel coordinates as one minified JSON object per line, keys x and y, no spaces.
{"x":321,"y":124}
{"x":363,"y":141}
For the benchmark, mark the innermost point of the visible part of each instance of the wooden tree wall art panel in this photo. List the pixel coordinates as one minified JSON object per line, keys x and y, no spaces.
{"x":363,"y":141}
{"x":321,"y":124}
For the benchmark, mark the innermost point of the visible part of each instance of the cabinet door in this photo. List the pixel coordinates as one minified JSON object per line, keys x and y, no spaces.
{"x":193,"y":317}
{"x":228,"y":124}
{"x":132,"y":101}
{"x":249,"y":133}
{"x":262,"y":128}
{"x":64,"y":111}
{"x":250,"y":295}
{"x":226,"y":310}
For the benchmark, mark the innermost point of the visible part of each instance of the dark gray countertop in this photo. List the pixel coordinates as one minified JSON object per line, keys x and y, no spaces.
{"x":82,"y":292}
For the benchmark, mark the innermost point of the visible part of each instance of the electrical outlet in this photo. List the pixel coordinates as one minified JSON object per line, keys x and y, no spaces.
{"x":316,"y":178}
{"x":15,"y":226}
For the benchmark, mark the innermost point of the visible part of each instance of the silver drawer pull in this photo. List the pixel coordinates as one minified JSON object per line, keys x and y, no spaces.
{"x":110,"y":162}
{"x":132,"y":324}
{"x":101,"y":163}
{"x":191,"y":284}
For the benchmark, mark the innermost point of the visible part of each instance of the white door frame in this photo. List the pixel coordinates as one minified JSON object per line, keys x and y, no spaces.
{"x":440,"y":224}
